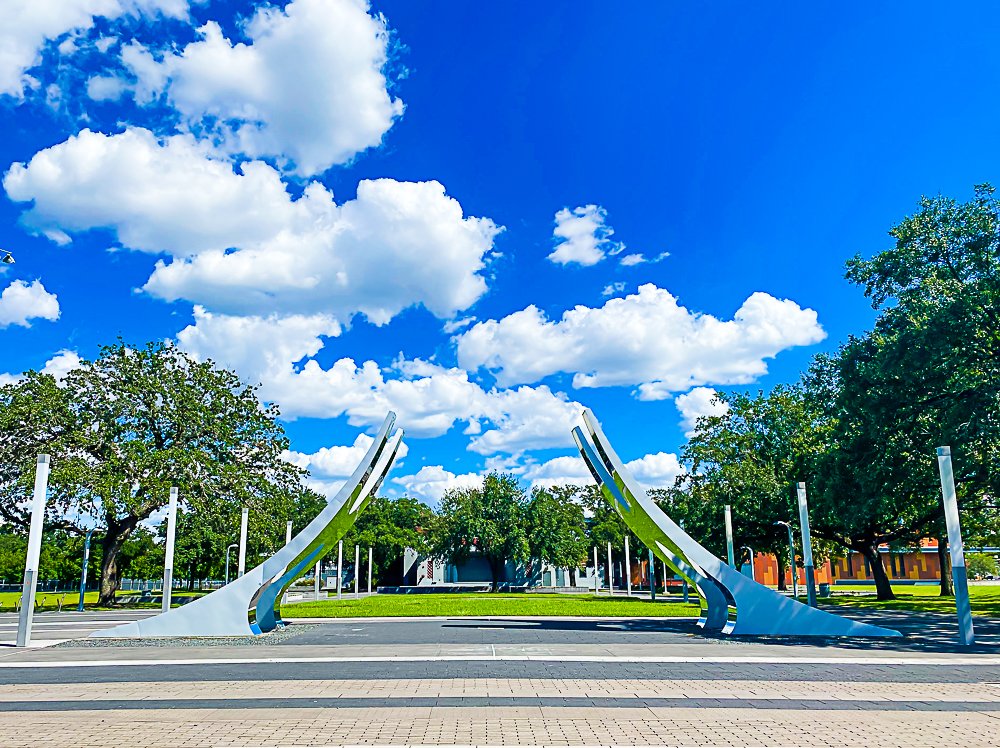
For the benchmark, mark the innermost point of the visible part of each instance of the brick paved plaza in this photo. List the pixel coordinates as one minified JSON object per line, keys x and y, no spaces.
{"x":502,"y":682}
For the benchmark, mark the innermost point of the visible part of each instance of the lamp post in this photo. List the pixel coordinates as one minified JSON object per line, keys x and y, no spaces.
{"x":229,"y":548}
{"x":86,"y":560}
{"x":749,"y":551}
{"x":730,"y":555}
{"x":791,"y":558}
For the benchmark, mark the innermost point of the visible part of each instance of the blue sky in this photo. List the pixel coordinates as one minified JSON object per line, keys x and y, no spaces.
{"x":450,"y":209}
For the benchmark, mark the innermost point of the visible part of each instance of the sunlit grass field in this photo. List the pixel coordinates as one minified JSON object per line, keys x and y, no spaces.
{"x":985,"y":599}
{"x":487,"y":604}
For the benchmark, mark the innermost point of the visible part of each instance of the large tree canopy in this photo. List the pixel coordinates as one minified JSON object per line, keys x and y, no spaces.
{"x":124,"y":428}
{"x":489,"y":521}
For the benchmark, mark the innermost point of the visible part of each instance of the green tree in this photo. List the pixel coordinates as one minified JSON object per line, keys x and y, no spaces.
{"x":749,"y":458}
{"x":979,"y":565}
{"x":488,"y":521}
{"x":928,"y":375}
{"x":389,"y":527}
{"x":124,"y":428}
{"x":557,"y":530}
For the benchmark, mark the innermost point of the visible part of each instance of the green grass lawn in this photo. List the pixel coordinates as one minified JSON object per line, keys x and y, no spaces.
{"x":488,"y":604}
{"x":45,"y":601}
{"x":985,"y":599}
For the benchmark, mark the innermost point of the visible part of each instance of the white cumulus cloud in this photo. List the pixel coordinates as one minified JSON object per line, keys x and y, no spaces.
{"x":329,"y":467}
{"x":697,"y":403}
{"x":241,"y":244}
{"x":279,"y":353}
{"x":58,"y":366}
{"x":646,"y":339}
{"x":430,"y":482}
{"x":27,"y":25}
{"x":652,"y":471}
{"x":307,"y":86}
{"x":22,"y":302}
{"x":583,"y":236}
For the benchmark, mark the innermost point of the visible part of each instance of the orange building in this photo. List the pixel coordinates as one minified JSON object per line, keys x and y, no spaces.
{"x":913,"y":566}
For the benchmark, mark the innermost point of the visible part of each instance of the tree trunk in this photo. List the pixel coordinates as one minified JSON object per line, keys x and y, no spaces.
{"x":111,"y":544}
{"x":496,"y":569}
{"x":883,"y":587}
{"x":944,"y":561}
{"x":782,"y":585}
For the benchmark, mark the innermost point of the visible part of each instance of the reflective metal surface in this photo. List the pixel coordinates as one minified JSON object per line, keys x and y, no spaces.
{"x":731,"y":602}
{"x":249,"y":604}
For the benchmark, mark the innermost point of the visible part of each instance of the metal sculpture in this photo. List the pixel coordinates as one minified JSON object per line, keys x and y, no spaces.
{"x":249,"y":604}
{"x":731,"y":602}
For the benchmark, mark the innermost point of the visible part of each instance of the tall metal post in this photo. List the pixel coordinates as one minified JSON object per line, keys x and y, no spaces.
{"x":791,"y":558}
{"x":664,"y":565}
{"x":168,"y":554}
{"x":288,"y":532}
{"x":357,"y":569}
{"x":242,"y":561}
{"x":316,"y":575}
{"x":369,"y":570}
{"x":611,"y":572}
{"x":83,"y":573}
{"x":959,"y":577}
{"x":34,"y":550}
{"x":652,"y":576}
{"x":597,"y":578}
{"x":340,"y":566}
{"x":229,"y":548}
{"x":730,"y":554}
{"x":807,"y":553}
{"x":628,"y":569}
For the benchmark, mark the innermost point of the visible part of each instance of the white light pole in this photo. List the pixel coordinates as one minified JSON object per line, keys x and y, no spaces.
{"x":288,"y":532}
{"x":168,"y":554}
{"x":807,"y":553}
{"x":340,"y":565}
{"x":34,"y":550}
{"x":369,"y":570}
{"x":791,"y":558}
{"x":729,"y":537}
{"x":628,"y":569}
{"x":229,"y":548}
{"x":597,"y":579}
{"x":959,"y":577}
{"x":316,"y":575}
{"x":357,"y":569}
{"x":242,"y":562}
{"x":86,"y":561}
{"x":611,"y":572}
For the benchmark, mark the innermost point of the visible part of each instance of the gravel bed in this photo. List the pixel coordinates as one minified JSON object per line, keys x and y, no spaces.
{"x":274,"y":637}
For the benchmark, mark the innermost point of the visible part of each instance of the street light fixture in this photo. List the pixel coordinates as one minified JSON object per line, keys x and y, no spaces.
{"x":229,"y":548}
{"x":8,"y":258}
{"x":791,"y":558}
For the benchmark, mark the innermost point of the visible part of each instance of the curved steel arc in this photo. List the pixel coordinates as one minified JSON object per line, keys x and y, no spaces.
{"x":758,"y":609}
{"x":714,"y":611}
{"x":248,"y":605}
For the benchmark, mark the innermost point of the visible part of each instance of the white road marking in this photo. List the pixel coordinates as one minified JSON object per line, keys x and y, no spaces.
{"x":985,"y":660}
